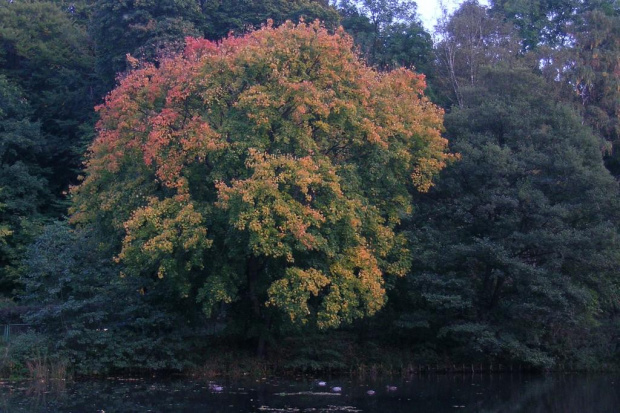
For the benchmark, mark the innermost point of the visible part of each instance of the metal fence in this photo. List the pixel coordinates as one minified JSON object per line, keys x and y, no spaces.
{"x":10,"y":330}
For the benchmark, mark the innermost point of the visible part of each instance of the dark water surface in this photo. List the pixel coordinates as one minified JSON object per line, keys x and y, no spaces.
{"x":563,"y":393}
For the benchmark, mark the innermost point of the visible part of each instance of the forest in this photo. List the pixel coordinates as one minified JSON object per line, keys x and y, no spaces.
{"x":308,"y":186}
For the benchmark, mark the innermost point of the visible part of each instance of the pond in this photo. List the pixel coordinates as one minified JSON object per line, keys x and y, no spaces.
{"x":563,"y":393}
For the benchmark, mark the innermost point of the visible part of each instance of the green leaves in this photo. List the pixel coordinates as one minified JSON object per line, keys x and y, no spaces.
{"x":94,"y":320}
{"x":24,"y":191}
{"x":144,"y":29}
{"x":388,"y":33}
{"x":281,"y":167}
{"x":516,"y":230}
{"x":51,"y":58}
{"x":241,"y":16}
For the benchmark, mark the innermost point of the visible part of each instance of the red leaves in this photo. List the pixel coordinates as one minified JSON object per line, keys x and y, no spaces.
{"x":281,"y":143}
{"x":196,"y":49}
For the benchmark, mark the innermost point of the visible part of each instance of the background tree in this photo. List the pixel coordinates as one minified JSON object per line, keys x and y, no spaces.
{"x":267,"y":172}
{"x":578,"y":43}
{"x":517,"y":246}
{"x":94,"y":321}
{"x":143,"y":29}
{"x":594,"y":60}
{"x":24,"y":190}
{"x":46,"y":53}
{"x":388,"y":33}
{"x":241,"y":16}
{"x":469,"y":40}
{"x":540,"y":23}
{"x":152,"y":29}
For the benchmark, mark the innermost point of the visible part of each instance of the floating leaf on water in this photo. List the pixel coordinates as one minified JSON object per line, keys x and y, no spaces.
{"x":307,"y":393}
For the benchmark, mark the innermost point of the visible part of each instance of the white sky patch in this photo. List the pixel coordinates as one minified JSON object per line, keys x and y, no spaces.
{"x":430,"y":10}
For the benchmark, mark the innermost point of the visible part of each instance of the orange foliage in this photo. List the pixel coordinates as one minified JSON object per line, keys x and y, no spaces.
{"x":282,"y":144}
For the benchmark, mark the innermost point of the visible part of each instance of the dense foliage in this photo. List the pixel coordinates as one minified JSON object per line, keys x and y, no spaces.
{"x":388,"y":33}
{"x":144,"y":29}
{"x":579,"y":45}
{"x":94,"y":320}
{"x":24,"y":189}
{"x":241,"y":16}
{"x":48,"y":55}
{"x":151,"y":30}
{"x":270,"y":169}
{"x":518,"y":244}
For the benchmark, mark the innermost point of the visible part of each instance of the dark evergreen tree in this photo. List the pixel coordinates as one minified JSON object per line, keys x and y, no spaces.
{"x":47,"y":53}
{"x":517,"y":246}
{"x":97,"y":321}
{"x":24,"y":189}
{"x":143,"y":29}
{"x":240,"y":16}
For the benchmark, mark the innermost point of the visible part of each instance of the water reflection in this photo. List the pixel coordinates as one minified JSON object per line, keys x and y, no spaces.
{"x":441,"y":393}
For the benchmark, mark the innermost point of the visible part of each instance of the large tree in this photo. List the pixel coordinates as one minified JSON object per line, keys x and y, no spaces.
{"x":268,"y":171}
{"x":518,"y":244}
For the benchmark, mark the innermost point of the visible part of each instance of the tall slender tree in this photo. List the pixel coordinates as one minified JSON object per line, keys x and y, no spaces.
{"x":469,"y":40}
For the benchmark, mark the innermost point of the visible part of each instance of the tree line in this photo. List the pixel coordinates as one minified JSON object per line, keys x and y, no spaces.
{"x":288,"y":176}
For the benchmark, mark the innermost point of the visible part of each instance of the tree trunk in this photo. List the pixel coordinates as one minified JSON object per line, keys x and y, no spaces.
{"x":253,"y":268}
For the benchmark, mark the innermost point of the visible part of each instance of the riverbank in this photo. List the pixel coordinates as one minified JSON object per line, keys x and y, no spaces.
{"x":31,"y":356}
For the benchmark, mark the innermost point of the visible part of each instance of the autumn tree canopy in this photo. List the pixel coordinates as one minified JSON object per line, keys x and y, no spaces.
{"x":269,"y":171}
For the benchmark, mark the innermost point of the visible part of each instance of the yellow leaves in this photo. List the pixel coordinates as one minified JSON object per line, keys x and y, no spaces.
{"x":5,"y":232}
{"x":292,"y":292}
{"x":353,"y":287}
{"x":276,"y":204}
{"x":359,"y":291}
{"x":156,"y":233}
{"x":284,"y":146}
{"x":425,"y":170}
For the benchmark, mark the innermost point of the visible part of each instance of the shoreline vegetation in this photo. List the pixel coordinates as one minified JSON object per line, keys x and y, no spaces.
{"x":44,"y":371}
{"x":237,"y":363}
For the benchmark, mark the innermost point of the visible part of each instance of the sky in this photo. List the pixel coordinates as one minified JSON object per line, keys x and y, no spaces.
{"x":430,"y":10}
